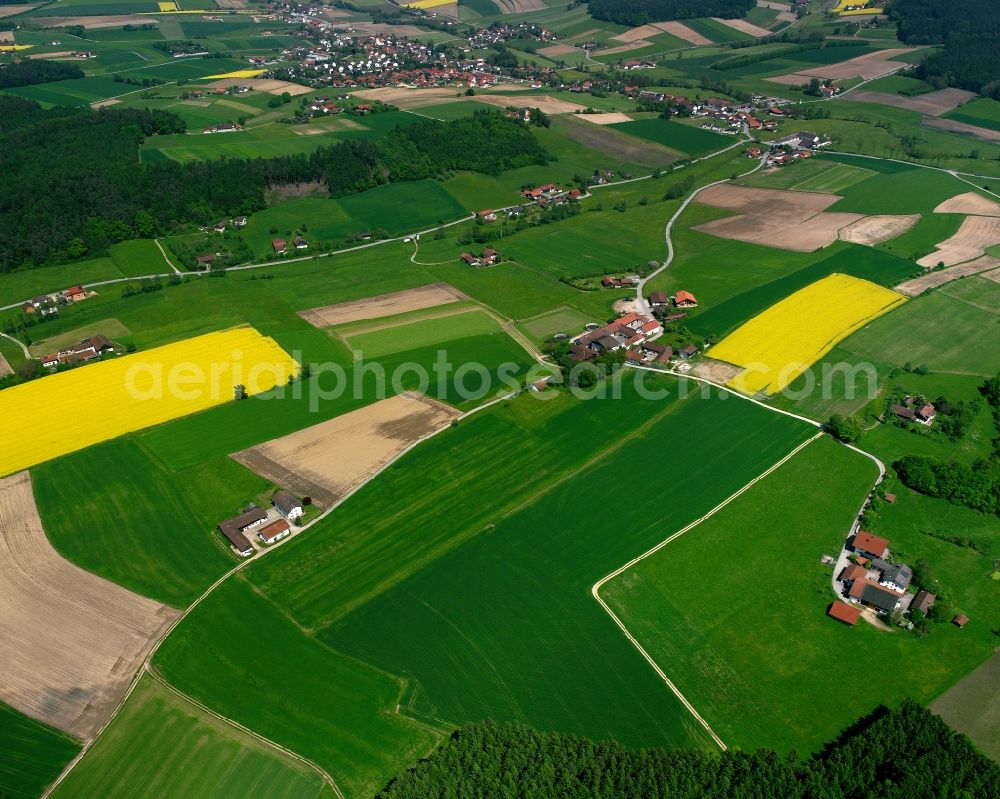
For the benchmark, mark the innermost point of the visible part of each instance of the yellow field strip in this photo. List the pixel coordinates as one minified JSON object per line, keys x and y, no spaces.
{"x":65,"y":412}
{"x":778,"y":345}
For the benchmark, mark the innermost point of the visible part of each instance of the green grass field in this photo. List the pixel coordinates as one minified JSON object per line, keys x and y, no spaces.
{"x":138,"y":524}
{"x":163,"y":747}
{"x":138,"y":257}
{"x":982,"y":112}
{"x":425,"y":333}
{"x":561,"y":320}
{"x":33,"y":754}
{"x":685,"y":138}
{"x":380,"y":582}
{"x":241,"y":655}
{"x":752,"y":648}
{"x":27,"y":283}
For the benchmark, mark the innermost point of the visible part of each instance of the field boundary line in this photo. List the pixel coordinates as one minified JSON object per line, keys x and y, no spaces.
{"x":596,"y":589}
{"x":155,"y":675}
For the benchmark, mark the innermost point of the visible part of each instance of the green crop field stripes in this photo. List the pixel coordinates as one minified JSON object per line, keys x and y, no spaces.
{"x":423,"y":333}
{"x":686,"y":138}
{"x":835,"y":180}
{"x":752,"y":649}
{"x":33,"y":754}
{"x":163,"y":747}
{"x":384,"y":590}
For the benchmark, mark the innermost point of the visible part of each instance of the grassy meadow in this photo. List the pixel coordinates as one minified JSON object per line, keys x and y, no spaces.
{"x":753,"y":648}
{"x":163,"y":747}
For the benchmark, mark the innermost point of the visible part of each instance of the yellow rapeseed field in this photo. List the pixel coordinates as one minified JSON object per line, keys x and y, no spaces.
{"x":429,"y":3}
{"x":239,"y":73}
{"x":167,"y":6}
{"x":65,"y":412}
{"x":777,"y":346}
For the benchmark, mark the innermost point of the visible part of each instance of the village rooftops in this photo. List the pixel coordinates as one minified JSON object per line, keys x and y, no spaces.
{"x":843,"y":612}
{"x":852,"y":572}
{"x":960,"y":620}
{"x":685,"y":299}
{"x":899,"y":574}
{"x":287,"y":503}
{"x":274,"y":531}
{"x":868,"y":544}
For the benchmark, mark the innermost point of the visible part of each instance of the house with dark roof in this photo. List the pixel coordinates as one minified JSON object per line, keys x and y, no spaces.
{"x":895,"y":575}
{"x":879,"y":597}
{"x":658,"y":299}
{"x":288,"y":504}
{"x":279,"y":246}
{"x":688,"y":352}
{"x":234,"y":529}
{"x":923,"y":601}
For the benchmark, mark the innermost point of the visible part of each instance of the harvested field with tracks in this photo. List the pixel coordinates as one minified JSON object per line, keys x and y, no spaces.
{"x":637,"y":34}
{"x":911,"y":288}
{"x":5,"y":369}
{"x":396,"y":302}
{"x":682,"y":31}
{"x":519,"y":6}
{"x":607,"y":118}
{"x":743,"y":26}
{"x":874,"y":230}
{"x":969,"y":203}
{"x":70,"y":641}
{"x":933,"y":103}
{"x":976,"y":234}
{"x":951,"y":126}
{"x":260,"y":85}
{"x":556,"y":50}
{"x":605,"y":138}
{"x":326,"y":461}
{"x":790,"y":220}
{"x":867,"y":66}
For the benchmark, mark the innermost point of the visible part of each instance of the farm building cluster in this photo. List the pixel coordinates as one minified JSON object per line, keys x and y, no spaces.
{"x":48,"y":304}
{"x":915,"y":409}
{"x":269,"y":525}
{"x":633,"y":334}
{"x":873,"y":580}
{"x":89,"y":349}
{"x":488,"y":257}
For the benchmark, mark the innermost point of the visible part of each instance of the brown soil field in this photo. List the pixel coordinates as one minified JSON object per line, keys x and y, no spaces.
{"x":785,"y":16}
{"x":70,"y":641}
{"x":972,"y":706}
{"x":635,"y":34}
{"x":6,"y":37}
{"x":10,"y":11}
{"x":105,"y":103}
{"x":743,"y":26}
{"x":5,"y":369}
{"x":969,"y":203}
{"x":775,"y":6}
{"x":582,"y":37}
{"x":875,"y":229}
{"x":408,"y":98}
{"x":613,"y":142}
{"x":97,"y":22}
{"x":911,"y":288}
{"x":550,"y":105}
{"x":396,"y":302}
{"x":328,"y":460}
{"x":607,"y":118}
{"x":973,"y":237}
{"x":519,"y":6}
{"x":682,"y":31}
{"x":716,"y":371}
{"x":951,"y":126}
{"x":556,"y":50}
{"x":870,"y":65}
{"x":410,"y":31}
{"x":790,"y":220}
{"x":624,"y":48}
{"x":933,"y":103}
{"x":231,"y":3}
{"x":260,"y":85}
{"x":62,"y":55}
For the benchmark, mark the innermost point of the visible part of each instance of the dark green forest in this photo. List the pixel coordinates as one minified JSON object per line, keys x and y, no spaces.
{"x":73,"y":185}
{"x":27,"y":73}
{"x":891,"y":754}
{"x":969,"y":31}
{"x":639,"y":12}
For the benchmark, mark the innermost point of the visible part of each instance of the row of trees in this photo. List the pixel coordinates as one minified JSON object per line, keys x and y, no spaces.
{"x":891,"y":753}
{"x":968,"y":29}
{"x":72,"y":186}
{"x":639,"y":12}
